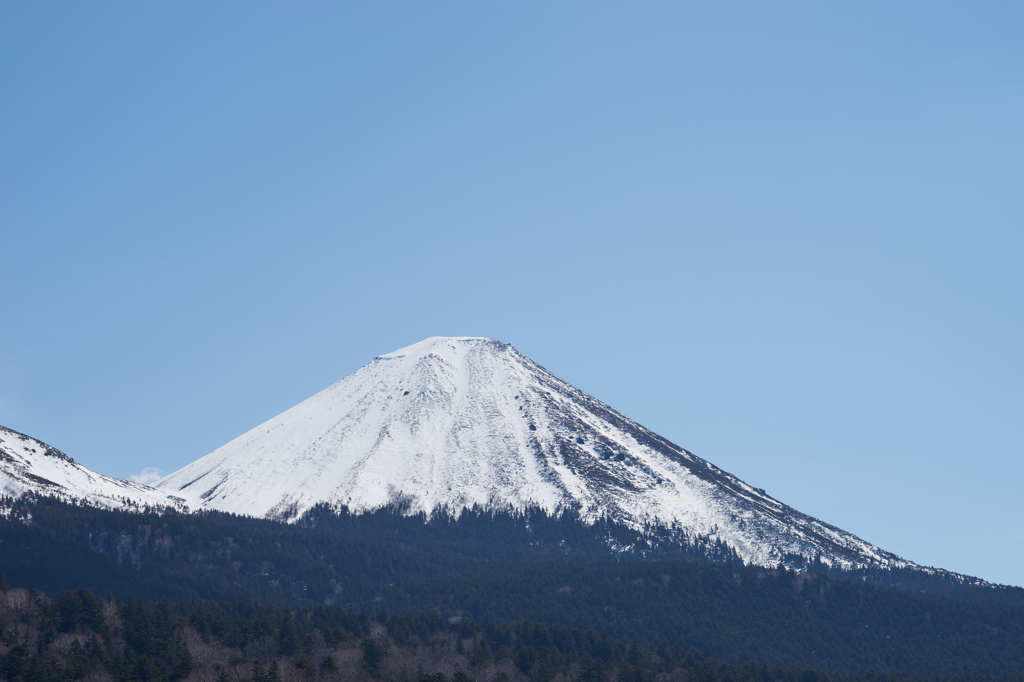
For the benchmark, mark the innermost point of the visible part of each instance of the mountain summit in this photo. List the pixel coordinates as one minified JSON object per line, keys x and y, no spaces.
{"x":453,"y":422}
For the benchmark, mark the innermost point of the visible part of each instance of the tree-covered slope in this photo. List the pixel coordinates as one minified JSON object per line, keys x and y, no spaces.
{"x":499,"y":569}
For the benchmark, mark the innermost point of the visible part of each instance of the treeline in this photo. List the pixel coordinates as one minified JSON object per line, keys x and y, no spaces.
{"x":496,"y":569}
{"x":77,"y":635}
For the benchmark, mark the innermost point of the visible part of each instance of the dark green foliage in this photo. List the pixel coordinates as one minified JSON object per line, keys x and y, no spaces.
{"x":149,"y":645}
{"x":146,"y":643}
{"x":373,"y":653}
{"x":78,"y":608}
{"x":526,"y":658}
{"x":553,"y":575}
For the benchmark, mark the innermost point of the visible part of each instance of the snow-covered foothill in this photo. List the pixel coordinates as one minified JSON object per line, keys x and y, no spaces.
{"x":28,"y":465}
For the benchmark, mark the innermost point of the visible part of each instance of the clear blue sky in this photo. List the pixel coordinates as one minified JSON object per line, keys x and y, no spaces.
{"x":787,"y":236}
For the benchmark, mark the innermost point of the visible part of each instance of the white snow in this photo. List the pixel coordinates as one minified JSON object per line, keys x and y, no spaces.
{"x":28,"y":465}
{"x":452,"y":422}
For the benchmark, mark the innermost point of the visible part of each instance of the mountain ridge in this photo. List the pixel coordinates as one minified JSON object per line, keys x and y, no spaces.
{"x":451,"y":422}
{"x":28,"y":465}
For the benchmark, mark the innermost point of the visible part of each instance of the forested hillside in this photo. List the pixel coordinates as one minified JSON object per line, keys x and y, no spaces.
{"x":497,"y":570}
{"x":77,"y":635}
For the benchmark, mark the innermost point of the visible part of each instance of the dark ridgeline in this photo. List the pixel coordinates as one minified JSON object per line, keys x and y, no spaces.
{"x":518,"y":582}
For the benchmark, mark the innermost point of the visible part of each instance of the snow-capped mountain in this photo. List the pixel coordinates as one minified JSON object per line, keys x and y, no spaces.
{"x":28,"y":465}
{"x":452,"y":422}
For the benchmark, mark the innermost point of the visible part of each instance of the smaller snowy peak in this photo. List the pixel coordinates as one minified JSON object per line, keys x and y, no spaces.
{"x":30,"y":466}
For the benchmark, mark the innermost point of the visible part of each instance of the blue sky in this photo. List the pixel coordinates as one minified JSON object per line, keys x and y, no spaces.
{"x":787,"y":237}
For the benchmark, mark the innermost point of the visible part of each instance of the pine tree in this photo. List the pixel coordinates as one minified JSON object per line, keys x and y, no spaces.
{"x":373,"y":653}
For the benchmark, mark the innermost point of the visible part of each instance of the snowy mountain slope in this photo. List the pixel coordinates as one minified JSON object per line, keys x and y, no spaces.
{"x":31,"y":466}
{"x":452,"y":422}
